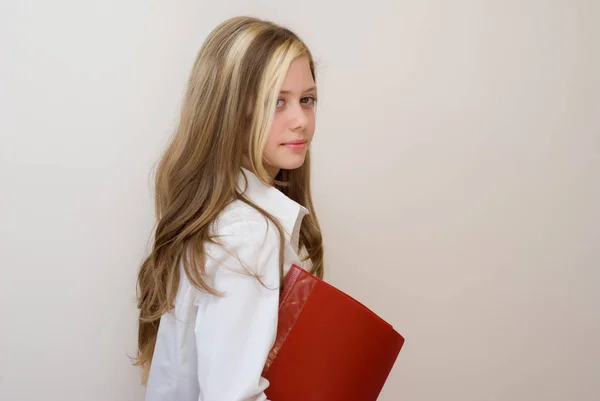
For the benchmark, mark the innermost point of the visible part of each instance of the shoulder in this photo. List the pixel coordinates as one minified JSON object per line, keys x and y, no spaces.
{"x":240,"y":222}
{"x":243,"y":240}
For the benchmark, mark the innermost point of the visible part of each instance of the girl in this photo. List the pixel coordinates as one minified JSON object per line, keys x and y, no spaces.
{"x":234,"y":213}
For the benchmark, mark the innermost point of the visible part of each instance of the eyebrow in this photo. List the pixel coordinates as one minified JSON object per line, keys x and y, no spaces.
{"x":311,"y":89}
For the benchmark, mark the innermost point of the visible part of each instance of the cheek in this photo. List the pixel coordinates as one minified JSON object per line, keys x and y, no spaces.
{"x":275,"y":136}
{"x":310,"y":125}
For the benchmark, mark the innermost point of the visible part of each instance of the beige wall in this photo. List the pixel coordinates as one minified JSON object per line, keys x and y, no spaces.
{"x":456,"y":179}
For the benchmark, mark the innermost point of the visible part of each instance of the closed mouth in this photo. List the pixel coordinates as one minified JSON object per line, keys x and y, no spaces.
{"x":300,"y":142}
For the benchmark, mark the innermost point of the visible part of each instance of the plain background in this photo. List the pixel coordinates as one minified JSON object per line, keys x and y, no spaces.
{"x":456,"y":173}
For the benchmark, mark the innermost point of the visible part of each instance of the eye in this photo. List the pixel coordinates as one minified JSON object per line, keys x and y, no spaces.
{"x":280,"y":103}
{"x":310,"y":100}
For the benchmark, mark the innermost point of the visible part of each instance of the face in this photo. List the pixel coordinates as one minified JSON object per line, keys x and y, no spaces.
{"x":294,"y":121}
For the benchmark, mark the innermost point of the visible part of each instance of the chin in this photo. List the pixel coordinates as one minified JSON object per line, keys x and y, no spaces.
{"x":292,"y":163}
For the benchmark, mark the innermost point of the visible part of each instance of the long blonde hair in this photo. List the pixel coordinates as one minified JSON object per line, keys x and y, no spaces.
{"x":227,"y":112}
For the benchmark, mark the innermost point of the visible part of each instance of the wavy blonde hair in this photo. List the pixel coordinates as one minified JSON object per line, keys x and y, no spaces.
{"x":227,"y":113}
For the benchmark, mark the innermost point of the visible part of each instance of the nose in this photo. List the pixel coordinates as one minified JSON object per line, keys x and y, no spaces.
{"x":298,"y":118}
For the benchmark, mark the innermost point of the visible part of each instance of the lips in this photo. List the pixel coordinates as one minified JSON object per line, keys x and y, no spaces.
{"x":296,"y":145}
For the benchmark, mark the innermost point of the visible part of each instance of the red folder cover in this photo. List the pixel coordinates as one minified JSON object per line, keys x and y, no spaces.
{"x":329,"y":347}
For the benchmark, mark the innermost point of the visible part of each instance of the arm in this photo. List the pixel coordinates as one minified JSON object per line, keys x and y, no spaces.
{"x":235,"y":332}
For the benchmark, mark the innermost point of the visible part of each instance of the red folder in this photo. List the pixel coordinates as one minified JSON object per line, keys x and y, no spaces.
{"x":329,"y":347}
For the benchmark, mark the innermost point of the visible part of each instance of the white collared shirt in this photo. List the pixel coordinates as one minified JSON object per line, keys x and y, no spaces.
{"x":212,"y":348}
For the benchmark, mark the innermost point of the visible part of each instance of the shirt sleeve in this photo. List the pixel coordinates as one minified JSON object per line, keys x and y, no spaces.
{"x":235,"y":332}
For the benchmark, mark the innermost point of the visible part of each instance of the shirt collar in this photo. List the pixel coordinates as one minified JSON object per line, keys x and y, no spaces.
{"x":288,"y":212}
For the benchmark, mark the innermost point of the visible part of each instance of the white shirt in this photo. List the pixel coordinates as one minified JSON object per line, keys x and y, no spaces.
{"x":212,"y":348}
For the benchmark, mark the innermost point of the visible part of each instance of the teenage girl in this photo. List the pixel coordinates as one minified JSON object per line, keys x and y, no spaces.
{"x":234,"y":212}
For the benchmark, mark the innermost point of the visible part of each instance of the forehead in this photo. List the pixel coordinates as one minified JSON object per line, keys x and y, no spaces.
{"x":299,"y":77}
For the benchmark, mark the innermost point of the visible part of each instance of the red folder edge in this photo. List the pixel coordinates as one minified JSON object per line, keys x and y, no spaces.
{"x":300,"y":282}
